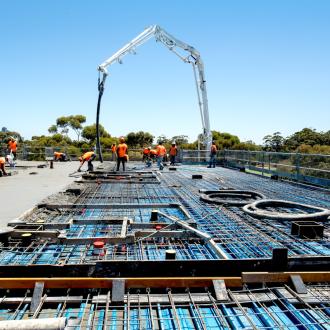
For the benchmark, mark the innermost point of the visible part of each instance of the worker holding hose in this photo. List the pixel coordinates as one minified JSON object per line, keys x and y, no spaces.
{"x":122,"y":153}
{"x":87,"y":157}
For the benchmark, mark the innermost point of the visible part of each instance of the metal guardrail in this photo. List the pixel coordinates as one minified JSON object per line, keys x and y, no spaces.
{"x":305,"y":168}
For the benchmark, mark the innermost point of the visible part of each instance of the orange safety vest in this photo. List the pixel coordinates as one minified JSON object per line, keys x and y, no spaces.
{"x":113,"y":149}
{"x":2,"y":160}
{"x":153,"y":152}
{"x":173,"y":151}
{"x":87,"y":155}
{"x":12,"y":145}
{"x":122,"y":150}
{"x":161,"y":150}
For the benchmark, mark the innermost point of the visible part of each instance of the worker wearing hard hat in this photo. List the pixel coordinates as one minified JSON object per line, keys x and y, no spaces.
{"x":213,"y":155}
{"x":87,"y":157}
{"x":2,"y":166}
{"x":161,"y":152}
{"x":173,"y":153}
{"x":122,"y":153}
{"x":12,"y":146}
{"x":59,"y":156}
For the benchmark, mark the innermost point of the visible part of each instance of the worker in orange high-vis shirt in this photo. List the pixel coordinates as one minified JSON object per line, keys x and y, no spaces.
{"x":173,"y":153}
{"x":88,"y":157}
{"x":161,"y":152}
{"x":59,"y":156}
{"x":122,"y":153}
{"x":2,"y":166}
{"x":12,"y":147}
{"x":113,"y":151}
{"x":146,"y":154}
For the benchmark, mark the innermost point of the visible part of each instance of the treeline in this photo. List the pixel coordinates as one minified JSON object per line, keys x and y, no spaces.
{"x":305,"y":141}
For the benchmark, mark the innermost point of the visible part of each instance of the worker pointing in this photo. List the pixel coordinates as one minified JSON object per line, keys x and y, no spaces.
{"x":87,"y":157}
{"x":122,"y":153}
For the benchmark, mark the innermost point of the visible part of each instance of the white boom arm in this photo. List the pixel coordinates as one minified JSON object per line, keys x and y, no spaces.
{"x":193,"y":58}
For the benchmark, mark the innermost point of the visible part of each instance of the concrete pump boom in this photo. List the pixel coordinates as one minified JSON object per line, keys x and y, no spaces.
{"x":171,"y":43}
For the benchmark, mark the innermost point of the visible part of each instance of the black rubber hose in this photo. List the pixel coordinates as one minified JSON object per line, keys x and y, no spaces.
{"x":98,"y":144}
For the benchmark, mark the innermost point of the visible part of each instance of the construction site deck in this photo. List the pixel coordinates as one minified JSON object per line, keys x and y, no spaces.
{"x":185,"y":248}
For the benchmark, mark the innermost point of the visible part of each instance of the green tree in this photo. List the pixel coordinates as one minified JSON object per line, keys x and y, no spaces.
{"x":139,"y":139}
{"x":274,"y":142}
{"x":306,"y":136}
{"x":89,"y":133}
{"x":65,"y":122}
{"x":52,"y":129}
{"x":180,"y":139}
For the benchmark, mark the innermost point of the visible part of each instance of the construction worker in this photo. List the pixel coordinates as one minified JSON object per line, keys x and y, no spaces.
{"x":113,"y":151}
{"x":12,"y":146}
{"x":153,"y":154}
{"x":161,"y":152}
{"x":213,"y":155}
{"x":173,"y":153}
{"x":146,"y":154}
{"x":122,"y":153}
{"x":2,"y":165}
{"x":59,"y":156}
{"x":87,"y":157}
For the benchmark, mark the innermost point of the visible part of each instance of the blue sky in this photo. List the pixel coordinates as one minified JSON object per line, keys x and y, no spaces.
{"x":267,"y":65}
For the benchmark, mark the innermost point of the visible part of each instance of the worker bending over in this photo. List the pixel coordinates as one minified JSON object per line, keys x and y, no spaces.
{"x":59,"y":156}
{"x":173,"y":153}
{"x":122,"y":153}
{"x":87,"y":157}
{"x":2,"y":165}
{"x":161,"y":152}
{"x":213,"y":155}
{"x":12,"y":147}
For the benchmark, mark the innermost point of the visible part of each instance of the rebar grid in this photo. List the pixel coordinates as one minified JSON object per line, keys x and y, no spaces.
{"x":147,"y":249}
{"x":267,"y":308}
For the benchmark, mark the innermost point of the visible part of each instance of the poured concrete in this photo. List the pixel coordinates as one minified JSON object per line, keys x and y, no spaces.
{"x":23,"y":190}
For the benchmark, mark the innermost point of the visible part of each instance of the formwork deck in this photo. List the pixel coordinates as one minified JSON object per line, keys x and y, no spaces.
{"x":142,"y":217}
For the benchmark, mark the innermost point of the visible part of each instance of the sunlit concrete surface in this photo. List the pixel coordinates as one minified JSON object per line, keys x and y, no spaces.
{"x":24,"y":190}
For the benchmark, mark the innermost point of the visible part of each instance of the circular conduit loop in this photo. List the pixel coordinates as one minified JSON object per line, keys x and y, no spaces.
{"x":230,"y":197}
{"x":286,"y":210}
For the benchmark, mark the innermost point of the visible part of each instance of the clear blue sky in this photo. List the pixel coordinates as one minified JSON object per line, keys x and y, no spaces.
{"x":267,"y":65}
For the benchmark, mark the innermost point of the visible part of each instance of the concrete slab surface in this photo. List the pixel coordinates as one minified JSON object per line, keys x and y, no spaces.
{"x":23,"y":190}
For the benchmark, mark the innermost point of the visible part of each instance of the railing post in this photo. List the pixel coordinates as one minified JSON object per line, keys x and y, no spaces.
{"x":263,"y":163}
{"x":297,"y":167}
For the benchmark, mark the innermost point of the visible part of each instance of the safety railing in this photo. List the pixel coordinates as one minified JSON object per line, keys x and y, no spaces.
{"x":305,"y":168}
